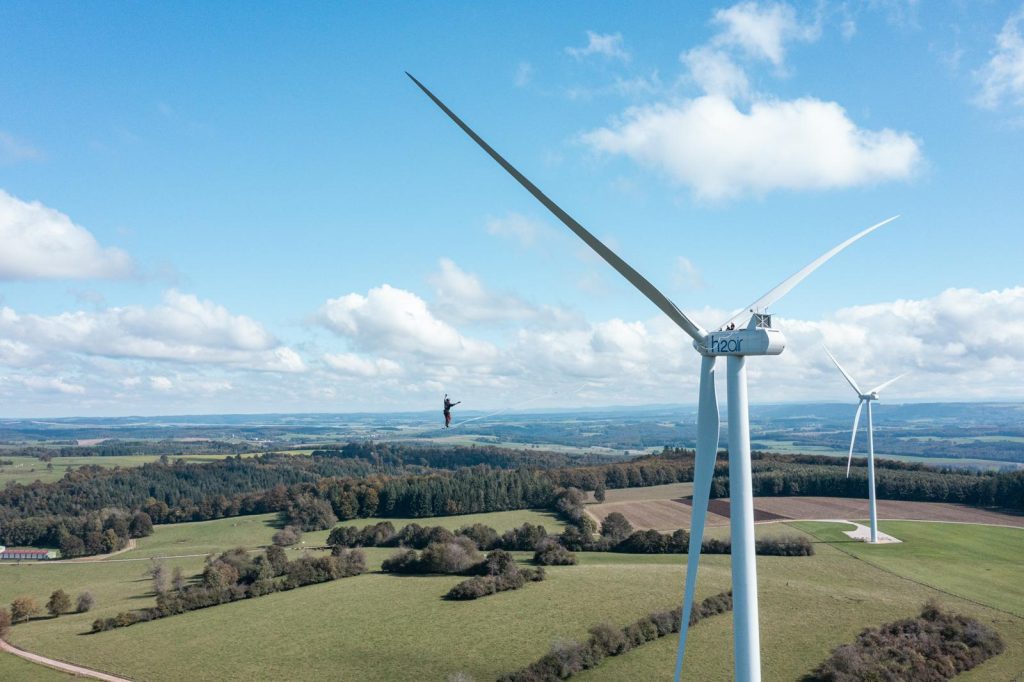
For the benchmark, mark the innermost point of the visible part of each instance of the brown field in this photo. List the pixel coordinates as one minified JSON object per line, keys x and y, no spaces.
{"x":848,"y":508}
{"x":664,"y":515}
{"x":669,"y":513}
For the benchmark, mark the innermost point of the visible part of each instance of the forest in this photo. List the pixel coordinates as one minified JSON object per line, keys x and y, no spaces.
{"x":312,"y":493}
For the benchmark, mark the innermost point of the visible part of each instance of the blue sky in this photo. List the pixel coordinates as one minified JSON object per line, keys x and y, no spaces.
{"x":228,"y":208}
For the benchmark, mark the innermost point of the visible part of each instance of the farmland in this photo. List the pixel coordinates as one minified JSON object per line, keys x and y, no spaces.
{"x":379,"y":626}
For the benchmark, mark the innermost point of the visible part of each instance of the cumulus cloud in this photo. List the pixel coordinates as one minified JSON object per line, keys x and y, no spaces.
{"x":721,"y":151}
{"x":1002,"y":77}
{"x":161,"y":383}
{"x":354,"y":365}
{"x":462,"y":297}
{"x":51,"y":385}
{"x":715,"y":72}
{"x":762,"y":29}
{"x":42,"y":243}
{"x":182,"y":329}
{"x":608,"y":45}
{"x":391,"y":319}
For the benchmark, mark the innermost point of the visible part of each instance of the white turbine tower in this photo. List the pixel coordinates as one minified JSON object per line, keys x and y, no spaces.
{"x":758,"y":338}
{"x":865,"y":399}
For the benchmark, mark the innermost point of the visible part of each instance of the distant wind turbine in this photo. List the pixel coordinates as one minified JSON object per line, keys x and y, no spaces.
{"x":757,"y":338}
{"x":865,"y":398}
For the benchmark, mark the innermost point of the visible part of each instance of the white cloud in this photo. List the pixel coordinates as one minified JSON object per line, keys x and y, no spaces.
{"x":396,"y":320}
{"x":687,"y":276}
{"x":52,"y":385}
{"x":709,"y":144}
{"x":161,"y":383}
{"x":1002,"y":78}
{"x":608,"y":45}
{"x":42,"y":243}
{"x":715,"y":72}
{"x":524,"y":74}
{"x":762,"y":29}
{"x":359,"y":366}
{"x":516,"y":227}
{"x":182,"y":329}
{"x":462,"y":297}
{"x":13,"y":150}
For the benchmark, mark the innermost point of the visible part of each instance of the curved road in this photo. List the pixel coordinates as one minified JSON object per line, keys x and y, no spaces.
{"x":75,"y":670}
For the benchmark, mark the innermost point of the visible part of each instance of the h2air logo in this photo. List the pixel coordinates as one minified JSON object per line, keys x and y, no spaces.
{"x":726,"y":345}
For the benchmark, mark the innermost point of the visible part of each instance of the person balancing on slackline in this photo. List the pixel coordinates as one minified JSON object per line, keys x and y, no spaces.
{"x":448,"y":405}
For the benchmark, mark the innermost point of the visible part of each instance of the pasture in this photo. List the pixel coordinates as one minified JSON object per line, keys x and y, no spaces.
{"x":382,"y":627}
{"x":29,"y":469}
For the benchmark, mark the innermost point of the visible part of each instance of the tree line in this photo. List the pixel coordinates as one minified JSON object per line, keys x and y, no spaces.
{"x":567,"y":658}
{"x":313,"y":493}
{"x":236,"y":575}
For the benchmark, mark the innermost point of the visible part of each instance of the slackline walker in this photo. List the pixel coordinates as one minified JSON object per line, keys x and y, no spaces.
{"x":448,"y":405}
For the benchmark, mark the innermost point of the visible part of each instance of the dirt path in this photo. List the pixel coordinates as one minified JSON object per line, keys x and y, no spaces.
{"x":129,"y":546}
{"x":75,"y":670}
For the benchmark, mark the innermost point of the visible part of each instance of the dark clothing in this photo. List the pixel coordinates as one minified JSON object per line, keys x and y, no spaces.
{"x":448,"y":405}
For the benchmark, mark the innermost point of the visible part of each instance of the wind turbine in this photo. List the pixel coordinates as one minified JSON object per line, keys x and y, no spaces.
{"x":865,"y":399}
{"x":758,"y":338}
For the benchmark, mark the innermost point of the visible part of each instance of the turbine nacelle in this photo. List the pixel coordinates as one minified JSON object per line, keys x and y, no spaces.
{"x":758,"y":338}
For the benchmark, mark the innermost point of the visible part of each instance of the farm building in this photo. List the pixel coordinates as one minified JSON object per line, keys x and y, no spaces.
{"x":30,"y":554}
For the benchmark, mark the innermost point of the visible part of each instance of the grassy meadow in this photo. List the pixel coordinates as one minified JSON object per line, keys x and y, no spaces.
{"x":385,"y":627}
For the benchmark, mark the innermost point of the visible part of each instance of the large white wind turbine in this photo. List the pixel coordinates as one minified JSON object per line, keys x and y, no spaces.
{"x":757,"y":338}
{"x":865,"y":398}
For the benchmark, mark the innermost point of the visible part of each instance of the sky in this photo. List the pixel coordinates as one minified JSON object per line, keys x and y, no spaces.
{"x":239,"y":208}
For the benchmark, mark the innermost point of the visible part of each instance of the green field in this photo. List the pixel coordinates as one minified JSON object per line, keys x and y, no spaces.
{"x":811,"y":606}
{"x":14,"y":668}
{"x":29,"y":469}
{"x":384,"y":627}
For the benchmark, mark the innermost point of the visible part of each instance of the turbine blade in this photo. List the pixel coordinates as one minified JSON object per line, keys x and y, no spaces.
{"x":845,"y":373}
{"x":635,"y":278}
{"x":853,"y":438}
{"x":878,"y":389}
{"x":785,"y":287}
{"x":703,"y":472}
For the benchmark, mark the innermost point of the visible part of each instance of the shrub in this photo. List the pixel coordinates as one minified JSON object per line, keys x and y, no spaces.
{"x":474,"y":588}
{"x":23,"y":608}
{"x":485,"y":537}
{"x":551,"y":553}
{"x":610,"y":638}
{"x":501,"y":573}
{"x":524,"y":538}
{"x":616,"y":527}
{"x":85,"y":602}
{"x":455,"y":556}
{"x":403,"y":561}
{"x":935,"y":646}
{"x":788,"y":545}
{"x":287,"y":536}
{"x":59,"y":603}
